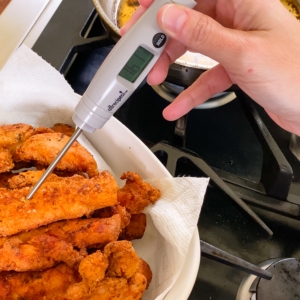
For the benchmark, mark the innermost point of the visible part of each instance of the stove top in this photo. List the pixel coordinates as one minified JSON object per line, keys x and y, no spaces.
{"x":237,"y":143}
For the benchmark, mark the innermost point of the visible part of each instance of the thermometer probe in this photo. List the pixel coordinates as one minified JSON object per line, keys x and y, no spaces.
{"x":126,"y":66}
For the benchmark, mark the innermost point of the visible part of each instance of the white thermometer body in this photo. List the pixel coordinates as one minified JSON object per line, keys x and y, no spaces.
{"x":120,"y":74}
{"x":124,"y":69}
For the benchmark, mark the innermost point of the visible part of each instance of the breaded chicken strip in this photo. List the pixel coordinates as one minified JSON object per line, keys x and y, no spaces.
{"x":81,"y":233}
{"x":135,"y":229}
{"x":50,"y":284}
{"x":43,"y":148}
{"x":110,"y":275}
{"x":6,"y":161}
{"x":119,"y":288}
{"x":69,"y":198}
{"x":107,"y":212}
{"x":4,"y":178}
{"x":46,"y":246}
{"x":144,"y":269}
{"x":123,"y":261}
{"x":12,"y":136}
{"x":136,"y":194}
{"x":63,"y":128}
{"x":39,"y":253}
{"x":29,"y":179}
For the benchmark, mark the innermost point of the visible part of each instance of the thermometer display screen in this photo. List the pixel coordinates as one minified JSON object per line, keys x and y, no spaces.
{"x":136,"y":64}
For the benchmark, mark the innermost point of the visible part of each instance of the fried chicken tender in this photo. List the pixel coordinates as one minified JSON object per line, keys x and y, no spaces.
{"x":50,"y":284}
{"x":43,"y":148}
{"x":145,"y":269}
{"x":107,"y":212}
{"x":39,"y":253}
{"x":46,"y":246}
{"x":104,"y":275}
{"x":135,"y":229}
{"x":6,"y":161}
{"x":4,"y":178}
{"x":136,"y":193}
{"x":63,"y":128}
{"x":120,"y":288}
{"x":123,"y":261}
{"x":12,"y":136}
{"x":29,"y":179}
{"x":68,"y":198}
{"x":81,"y":233}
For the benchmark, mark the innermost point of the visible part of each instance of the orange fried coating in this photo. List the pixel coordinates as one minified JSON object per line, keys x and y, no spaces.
{"x":87,"y":233}
{"x":46,"y":246}
{"x":135,"y":229}
{"x":107,"y":212}
{"x":136,"y":193}
{"x":80,"y":233}
{"x":50,"y":284}
{"x":12,"y":136}
{"x":68,"y":198}
{"x":39,"y":253}
{"x":63,"y":128}
{"x":123,"y":261}
{"x":104,"y":275}
{"x":28,"y":178}
{"x":145,"y":269}
{"x":120,"y":288}
{"x":43,"y":148}
{"x":4,"y":178}
{"x":6,"y":161}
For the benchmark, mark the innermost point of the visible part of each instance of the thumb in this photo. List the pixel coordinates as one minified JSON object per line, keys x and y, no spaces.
{"x":199,"y":33}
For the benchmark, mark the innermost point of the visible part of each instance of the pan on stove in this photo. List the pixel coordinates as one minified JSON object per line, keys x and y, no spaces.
{"x":183,"y":72}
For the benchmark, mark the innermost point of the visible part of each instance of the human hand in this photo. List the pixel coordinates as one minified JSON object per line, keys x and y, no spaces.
{"x":255,"y":42}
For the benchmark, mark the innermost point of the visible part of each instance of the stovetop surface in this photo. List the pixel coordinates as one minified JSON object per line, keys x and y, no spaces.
{"x":222,"y":137}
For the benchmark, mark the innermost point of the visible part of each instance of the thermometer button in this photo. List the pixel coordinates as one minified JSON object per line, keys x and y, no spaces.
{"x":159,"y":40}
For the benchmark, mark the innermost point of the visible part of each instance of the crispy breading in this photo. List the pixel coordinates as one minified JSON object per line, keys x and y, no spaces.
{"x":81,"y":233}
{"x":43,"y":148}
{"x":135,"y":229}
{"x":107,"y":212}
{"x":123,"y":261}
{"x":4,"y":178}
{"x":136,"y":193}
{"x":68,"y":198}
{"x":104,"y":275}
{"x":46,"y":246}
{"x":13,"y":135}
{"x":39,"y":253}
{"x":6,"y":161}
{"x":29,"y":179}
{"x":50,"y":284}
{"x":145,"y":269}
{"x":119,"y":288}
{"x":63,"y":128}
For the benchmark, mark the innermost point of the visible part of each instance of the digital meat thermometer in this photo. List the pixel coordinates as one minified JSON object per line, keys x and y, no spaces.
{"x":120,"y":74}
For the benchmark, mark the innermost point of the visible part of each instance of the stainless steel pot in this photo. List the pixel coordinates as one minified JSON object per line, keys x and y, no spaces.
{"x":183,"y":72}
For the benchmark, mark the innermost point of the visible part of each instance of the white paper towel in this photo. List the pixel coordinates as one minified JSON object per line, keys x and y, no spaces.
{"x":33,"y":92}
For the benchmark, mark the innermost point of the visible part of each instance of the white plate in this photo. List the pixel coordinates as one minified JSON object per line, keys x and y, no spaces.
{"x":122,"y":150}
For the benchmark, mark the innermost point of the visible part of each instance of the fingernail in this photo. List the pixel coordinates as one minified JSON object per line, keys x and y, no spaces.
{"x":173,"y":18}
